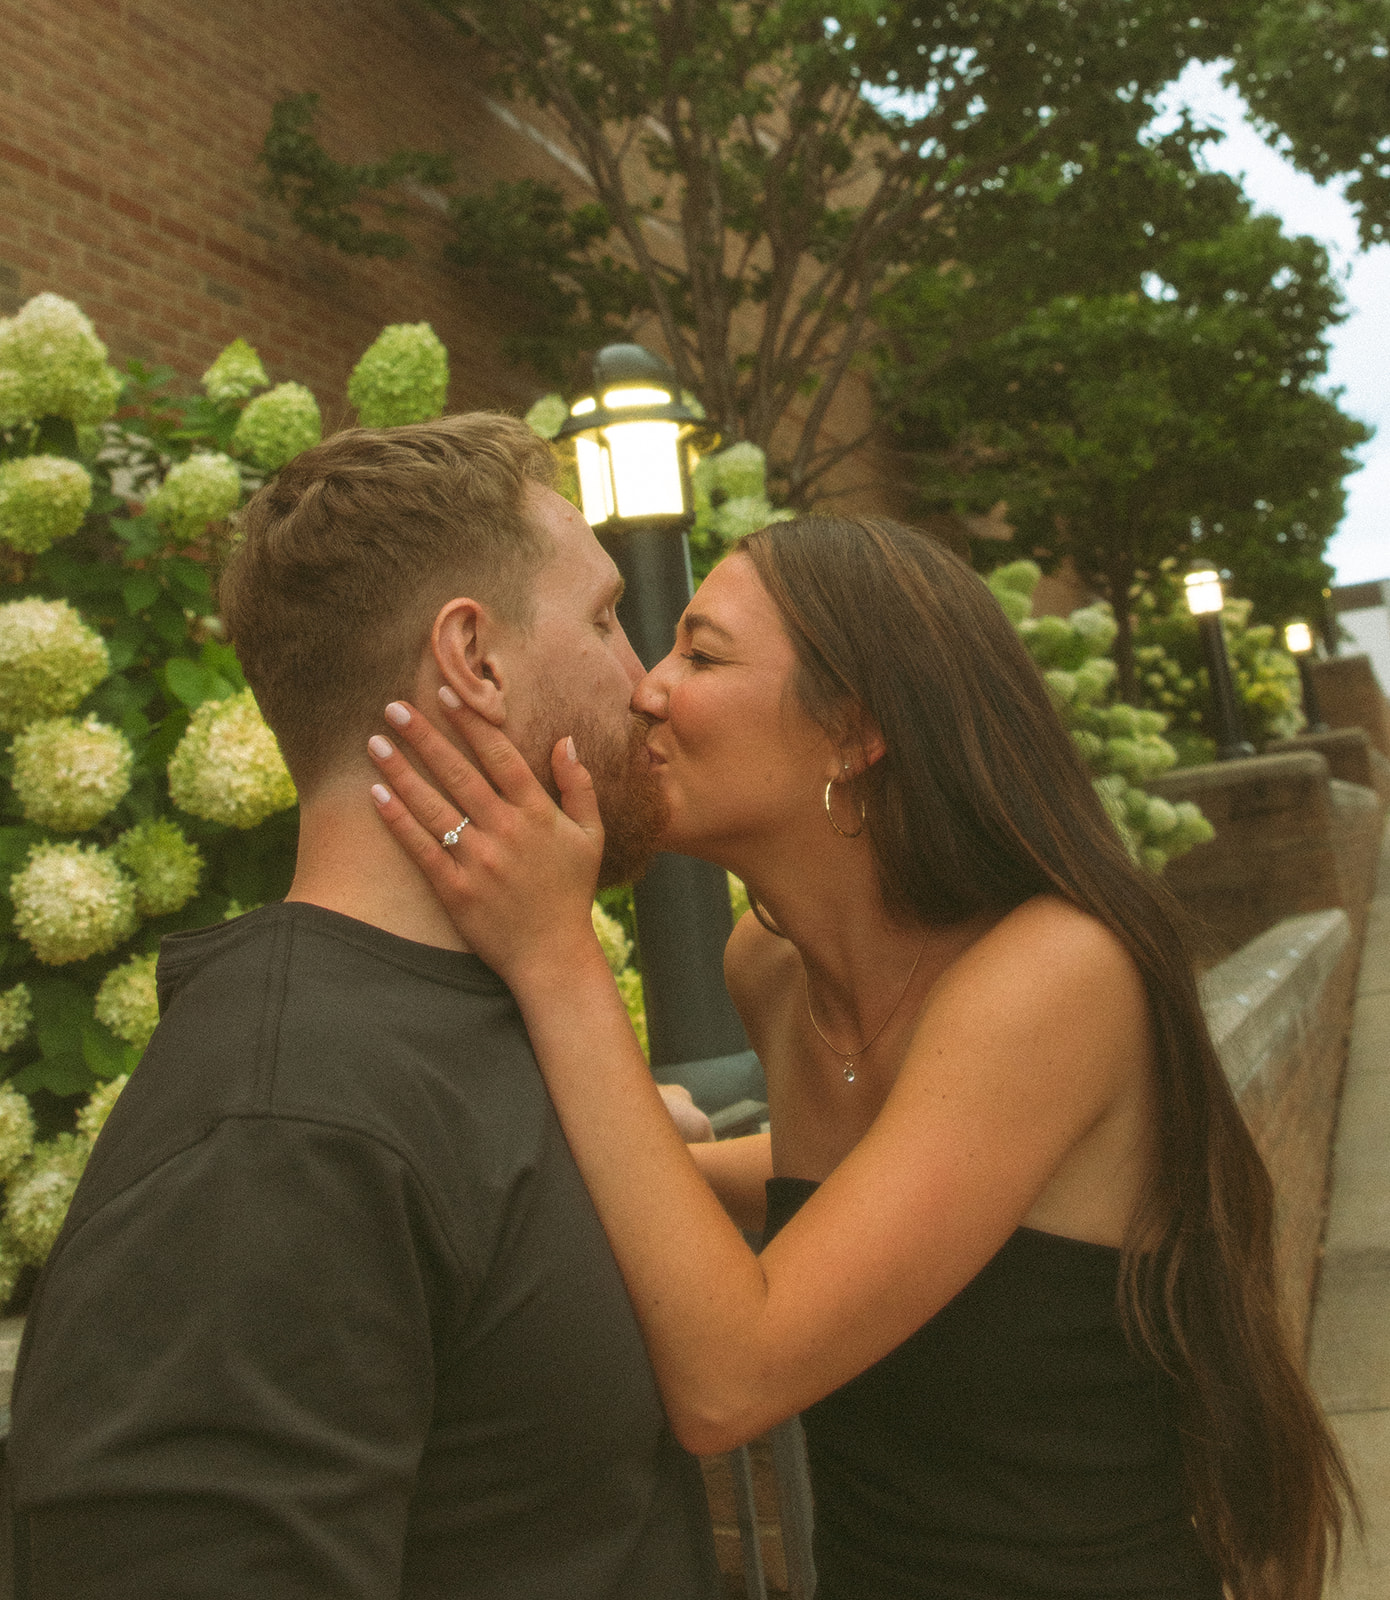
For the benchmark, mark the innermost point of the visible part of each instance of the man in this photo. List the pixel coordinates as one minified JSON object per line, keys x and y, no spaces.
{"x":332,"y":1314}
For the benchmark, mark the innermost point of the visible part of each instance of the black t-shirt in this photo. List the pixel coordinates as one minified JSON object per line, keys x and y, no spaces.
{"x":332,"y":1314}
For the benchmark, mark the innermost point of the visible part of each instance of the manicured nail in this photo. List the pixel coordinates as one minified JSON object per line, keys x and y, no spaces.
{"x":380,"y":748}
{"x":398,"y":714}
{"x":450,"y":699}
{"x":380,"y":793}
{"x":570,"y":751}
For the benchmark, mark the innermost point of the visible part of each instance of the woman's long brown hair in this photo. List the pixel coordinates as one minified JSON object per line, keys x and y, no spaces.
{"x":980,"y":802}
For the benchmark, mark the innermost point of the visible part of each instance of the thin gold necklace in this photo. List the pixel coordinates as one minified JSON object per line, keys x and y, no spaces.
{"x":855,"y":1055}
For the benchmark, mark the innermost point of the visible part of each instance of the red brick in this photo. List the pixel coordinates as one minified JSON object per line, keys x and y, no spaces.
{"x":128,"y":208}
{"x":21,"y":158}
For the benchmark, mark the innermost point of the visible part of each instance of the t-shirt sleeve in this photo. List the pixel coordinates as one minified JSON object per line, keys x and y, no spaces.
{"x":229,"y":1374}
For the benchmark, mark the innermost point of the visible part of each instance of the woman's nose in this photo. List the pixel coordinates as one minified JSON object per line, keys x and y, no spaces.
{"x":651,"y":694}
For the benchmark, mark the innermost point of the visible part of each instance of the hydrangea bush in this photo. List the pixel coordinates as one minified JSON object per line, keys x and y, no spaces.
{"x":1122,"y":744}
{"x":1173,"y":675}
{"x":140,"y":790}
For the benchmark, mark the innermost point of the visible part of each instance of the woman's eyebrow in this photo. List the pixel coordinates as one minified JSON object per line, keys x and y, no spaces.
{"x":697,"y":619}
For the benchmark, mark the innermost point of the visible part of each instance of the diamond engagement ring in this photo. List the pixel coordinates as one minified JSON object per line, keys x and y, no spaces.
{"x":452,"y":837}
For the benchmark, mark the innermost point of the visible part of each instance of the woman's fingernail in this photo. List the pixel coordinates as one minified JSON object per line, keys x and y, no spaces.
{"x":398,"y":714}
{"x":570,"y":751}
{"x":380,"y":748}
{"x":450,"y":699}
{"x":380,"y":793}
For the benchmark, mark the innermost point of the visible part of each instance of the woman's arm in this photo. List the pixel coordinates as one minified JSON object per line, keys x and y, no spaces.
{"x":737,"y":1170}
{"x":1023,"y":1047}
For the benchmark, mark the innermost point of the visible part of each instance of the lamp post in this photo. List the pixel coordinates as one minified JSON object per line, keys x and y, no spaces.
{"x":1204,"y":600}
{"x":633,"y":439}
{"x":1298,"y":641}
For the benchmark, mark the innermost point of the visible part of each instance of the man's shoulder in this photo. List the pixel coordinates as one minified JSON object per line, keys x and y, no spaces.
{"x":292,"y":1012}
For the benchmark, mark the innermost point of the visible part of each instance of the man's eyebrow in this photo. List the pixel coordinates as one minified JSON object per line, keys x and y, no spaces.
{"x":697,"y":619}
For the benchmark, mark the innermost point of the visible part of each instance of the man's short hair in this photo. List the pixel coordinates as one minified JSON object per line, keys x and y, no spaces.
{"x":345,"y":558}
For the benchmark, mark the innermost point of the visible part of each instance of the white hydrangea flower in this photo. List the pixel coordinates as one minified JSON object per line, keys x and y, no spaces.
{"x":42,"y":499}
{"x":228,"y":767}
{"x":16,"y":1013}
{"x":236,"y":374}
{"x":72,"y":901}
{"x":53,"y":365}
{"x":740,"y":471}
{"x":166,"y":867}
{"x":126,"y":1001}
{"x":68,"y":775}
{"x":16,"y":1132}
{"x":50,"y":660}
{"x":403,"y":377}
{"x":39,"y":1200}
{"x":92,"y":1117}
{"x":278,"y":425}
{"x":203,"y":489}
{"x":617,"y":947}
{"x":548,"y":415}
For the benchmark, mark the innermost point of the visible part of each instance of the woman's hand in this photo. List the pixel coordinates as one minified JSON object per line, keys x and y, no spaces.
{"x":517,"y":879}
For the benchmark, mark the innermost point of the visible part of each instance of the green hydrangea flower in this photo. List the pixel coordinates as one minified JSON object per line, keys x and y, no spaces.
{"x":16,"y":1013}
{"x":39,"y":1200}
{"x":68,"y":775}
{"x":277,"y":426}
{"x":16,"y":1132}
{"x":630,"y":987}
{"x":53,"y":365}
{"x":403,"y":377}
{"x":548,"y":415}
{"x":617,"y":947}
{"x":165,"y":866}
{"x":205,"y":488}
{"x":235,"y":375}
{"x":50,"y":660}
{"x":92,"y":1117}
{"x":42,"y":499}
{"x":72,"y":901}
{"x":126,"y":1001}
{"x":1019,"y":577}
{"x":228,"y":767}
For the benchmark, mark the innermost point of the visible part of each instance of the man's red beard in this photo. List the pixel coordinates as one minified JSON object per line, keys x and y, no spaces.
{"x":629,"y":794}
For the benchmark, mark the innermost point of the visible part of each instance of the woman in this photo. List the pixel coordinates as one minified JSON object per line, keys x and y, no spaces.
{"x":1020,"y":1274}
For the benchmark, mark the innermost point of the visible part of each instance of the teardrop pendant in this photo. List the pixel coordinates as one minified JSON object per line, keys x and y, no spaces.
{"x":849,"y":1072}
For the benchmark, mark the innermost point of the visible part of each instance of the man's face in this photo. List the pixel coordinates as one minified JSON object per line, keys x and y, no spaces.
{"x":576,"y":676}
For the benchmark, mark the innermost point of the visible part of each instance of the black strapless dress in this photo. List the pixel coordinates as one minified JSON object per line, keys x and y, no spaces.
{"x":1013,"y":1448}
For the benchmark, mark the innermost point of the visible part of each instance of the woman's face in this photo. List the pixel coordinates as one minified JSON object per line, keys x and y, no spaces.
{"x":735,"y":754}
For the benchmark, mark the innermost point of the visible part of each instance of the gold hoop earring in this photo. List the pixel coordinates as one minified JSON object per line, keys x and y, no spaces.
{"x":829,"y":813}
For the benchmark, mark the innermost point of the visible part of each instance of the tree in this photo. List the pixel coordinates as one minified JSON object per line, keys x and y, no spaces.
{"x":1316,"y":76}
{"x":761,"y":173}
{"x":1125,"y":426}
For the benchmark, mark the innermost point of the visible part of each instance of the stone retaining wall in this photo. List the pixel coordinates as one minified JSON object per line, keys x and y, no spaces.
{"x":1279,"y":1010}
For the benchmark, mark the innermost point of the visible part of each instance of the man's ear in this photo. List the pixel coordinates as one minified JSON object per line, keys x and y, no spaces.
{"x":466,"y":644}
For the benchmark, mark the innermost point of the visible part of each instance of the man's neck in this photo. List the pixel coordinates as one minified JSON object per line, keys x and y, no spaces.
{"x":348,"y":862}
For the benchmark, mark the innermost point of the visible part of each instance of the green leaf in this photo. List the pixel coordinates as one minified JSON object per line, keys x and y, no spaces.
{"x":61,"y":1075}
{"x":190,"y":683}
{"x":140,"y":590}
{"x":106,"y":1055}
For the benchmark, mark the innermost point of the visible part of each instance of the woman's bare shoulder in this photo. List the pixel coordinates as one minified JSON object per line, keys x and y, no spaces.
{"x":1049,"y":953}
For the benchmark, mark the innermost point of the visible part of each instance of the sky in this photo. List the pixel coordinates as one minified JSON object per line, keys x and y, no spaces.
{"x":1360,"y":361}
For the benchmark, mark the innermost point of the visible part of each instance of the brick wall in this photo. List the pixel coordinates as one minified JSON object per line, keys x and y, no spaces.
{"x":1289,"y":839}
{"x":128,"y":138}
{"x":1351,"y":697}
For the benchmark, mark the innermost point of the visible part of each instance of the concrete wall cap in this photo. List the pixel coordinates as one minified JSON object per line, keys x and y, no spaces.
{"x":1293,"y":766}
{"x":1353,"y":796}
{"x":1259,"y":1000}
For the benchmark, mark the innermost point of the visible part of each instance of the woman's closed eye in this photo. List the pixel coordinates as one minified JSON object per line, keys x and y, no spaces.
{"x":698,"y":659}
